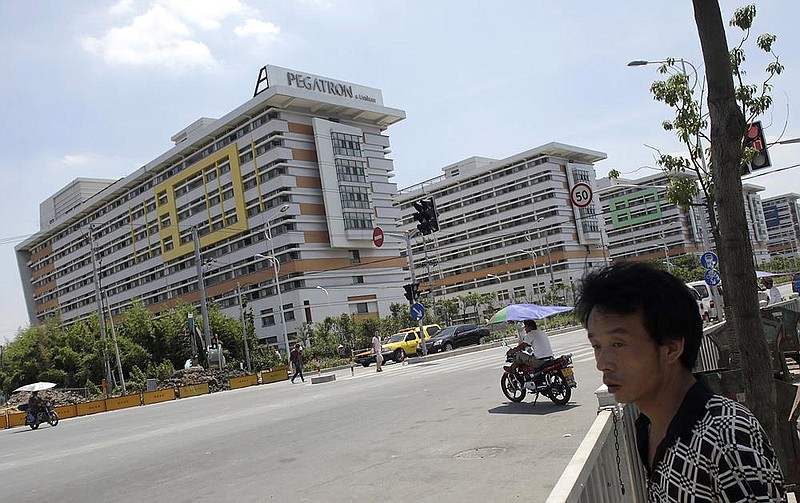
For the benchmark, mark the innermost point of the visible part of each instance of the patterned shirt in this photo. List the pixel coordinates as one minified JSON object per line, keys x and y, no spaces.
{"x":715,"y":450}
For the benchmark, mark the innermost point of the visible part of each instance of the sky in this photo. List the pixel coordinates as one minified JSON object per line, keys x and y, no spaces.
{"x":95,"y":89}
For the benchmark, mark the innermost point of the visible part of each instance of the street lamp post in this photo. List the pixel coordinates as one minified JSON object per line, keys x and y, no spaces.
{"x":276,"y":267}
{"x":203,"y":301}
{"x":102,"y":318}
{"x":500,"y":282}
{"x":703,"y":223}
{"x":244,"y":327}
{"x":330,"y":311}
{"x":533,"y":255}
{"x":549,"y":256}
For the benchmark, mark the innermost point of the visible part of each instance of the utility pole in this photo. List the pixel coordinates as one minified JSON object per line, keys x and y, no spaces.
{"x":98,"y":297}
{"x":202,"y":284}
{"x":430,"y":284}
{"x":116,"y":347}
{"x":407,"y":237}
{"x":244,"y":327}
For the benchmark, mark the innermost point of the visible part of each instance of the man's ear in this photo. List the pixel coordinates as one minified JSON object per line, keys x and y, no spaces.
{"x":673,"y":349}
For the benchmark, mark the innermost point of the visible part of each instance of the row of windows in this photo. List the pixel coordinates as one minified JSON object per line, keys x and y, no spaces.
{"x":163,"y":176}
{"x":354,"y":220}
{"x":350,"y":171}
{"x":354,"y":197}
{"x":346,"y":144}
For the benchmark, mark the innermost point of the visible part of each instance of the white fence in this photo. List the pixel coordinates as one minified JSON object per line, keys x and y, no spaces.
{"x":603,"y":468}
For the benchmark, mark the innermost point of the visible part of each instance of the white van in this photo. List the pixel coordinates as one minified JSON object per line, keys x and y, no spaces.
{"x":708,"y":310}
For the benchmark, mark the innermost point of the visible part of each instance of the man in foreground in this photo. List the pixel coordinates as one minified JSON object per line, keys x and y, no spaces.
{"x":695,"y":446}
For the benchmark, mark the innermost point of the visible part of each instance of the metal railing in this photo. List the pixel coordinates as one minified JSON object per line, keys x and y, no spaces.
{"x":605,"y":466}
{"x":607,"y":460}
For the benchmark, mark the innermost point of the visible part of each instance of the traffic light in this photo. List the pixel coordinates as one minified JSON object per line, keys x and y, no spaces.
{"x":426,"y":216}
{"x":412,"y":292}
{"x":755,"y":139}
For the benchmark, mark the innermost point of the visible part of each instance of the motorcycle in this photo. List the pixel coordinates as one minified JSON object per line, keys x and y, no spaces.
{"x":45,"y":414}
{"x":555,"y":380}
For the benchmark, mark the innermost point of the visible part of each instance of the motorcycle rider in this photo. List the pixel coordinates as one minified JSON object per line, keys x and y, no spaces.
{"x":534,"y":349}
{"x":35,"y":404}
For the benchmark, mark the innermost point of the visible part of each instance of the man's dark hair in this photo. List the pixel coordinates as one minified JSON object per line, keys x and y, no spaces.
{"x":668,"y":308}
{"x":530,"y":324}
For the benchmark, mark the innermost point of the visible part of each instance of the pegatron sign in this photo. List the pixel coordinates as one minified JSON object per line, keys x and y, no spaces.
{"x":272,"y":76}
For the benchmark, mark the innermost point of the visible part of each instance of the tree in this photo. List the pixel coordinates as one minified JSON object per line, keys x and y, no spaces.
{"x":728,"y":121}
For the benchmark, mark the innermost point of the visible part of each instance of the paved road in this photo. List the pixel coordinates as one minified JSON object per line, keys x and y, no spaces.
{"x":439,"y":431}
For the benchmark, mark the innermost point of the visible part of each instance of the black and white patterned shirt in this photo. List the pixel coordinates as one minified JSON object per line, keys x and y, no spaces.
{"x":715,"y":450}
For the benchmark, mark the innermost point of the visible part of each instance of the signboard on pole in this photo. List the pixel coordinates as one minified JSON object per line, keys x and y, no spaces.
{"x":581,"y":195}
{"x":377,"y":236}
{"x":417,"y":311}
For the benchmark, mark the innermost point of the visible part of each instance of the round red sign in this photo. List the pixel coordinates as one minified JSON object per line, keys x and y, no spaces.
{"x":581,"y":195}
{"x":377,"y":237}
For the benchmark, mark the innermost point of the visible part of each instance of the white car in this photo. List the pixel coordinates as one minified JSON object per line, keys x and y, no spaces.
{"x":708,"y":309}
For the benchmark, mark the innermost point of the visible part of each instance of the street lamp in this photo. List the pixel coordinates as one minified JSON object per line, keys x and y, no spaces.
{"x":547,"y":248}
{"x":276,"y":267}
{"x":683,"y":62}
{"x":500,"y":281}
{"x":330,"y":311}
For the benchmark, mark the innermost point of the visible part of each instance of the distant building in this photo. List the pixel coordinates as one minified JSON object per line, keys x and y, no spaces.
{"x":641,"y":224}
{"x":313,"y":143}
{"x":508,"y":225}
{"x":783,"y":225}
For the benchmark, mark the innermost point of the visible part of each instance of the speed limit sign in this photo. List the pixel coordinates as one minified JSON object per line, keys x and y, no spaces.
{"x":581,"y":195}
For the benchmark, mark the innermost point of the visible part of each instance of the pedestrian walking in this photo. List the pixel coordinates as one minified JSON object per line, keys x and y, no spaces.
{"x":695,"y":445}
{"x":296,"y":356}
{"x":376,"y":348}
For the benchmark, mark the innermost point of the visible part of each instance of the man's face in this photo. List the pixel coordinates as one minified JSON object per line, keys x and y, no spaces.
{"x":626,"y":354}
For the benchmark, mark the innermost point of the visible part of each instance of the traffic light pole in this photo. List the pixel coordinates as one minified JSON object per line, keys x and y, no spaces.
{"x":407,"y":237}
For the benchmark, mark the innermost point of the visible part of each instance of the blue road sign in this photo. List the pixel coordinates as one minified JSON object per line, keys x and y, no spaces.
{"x":709,"y":260}
{"x":417,"y":311}
{"x":712,"y":277}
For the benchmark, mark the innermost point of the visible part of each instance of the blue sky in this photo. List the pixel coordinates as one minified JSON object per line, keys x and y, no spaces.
{"x":96,"y":89}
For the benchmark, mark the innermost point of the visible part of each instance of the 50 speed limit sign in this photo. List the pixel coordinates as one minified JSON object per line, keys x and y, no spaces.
{"x":580,"y":195}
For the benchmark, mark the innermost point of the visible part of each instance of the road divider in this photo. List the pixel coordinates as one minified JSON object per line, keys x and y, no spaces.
{"x":193,"y":390}
{"x":244,"y":381}
{"x":84,"y":409}
{"x":159,"y":395}
{"x":123,"y":402}
{"x":10,"y":419}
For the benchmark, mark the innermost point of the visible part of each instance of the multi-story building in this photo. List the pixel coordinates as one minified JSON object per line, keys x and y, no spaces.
{"x":508,"y":225}
{"x":640,"y":223}
{"x":783,"y":225}
{"x":304,"y":161}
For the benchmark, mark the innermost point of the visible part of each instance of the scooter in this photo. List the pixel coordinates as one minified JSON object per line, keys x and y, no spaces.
{"x":555,"y":380}
{"x":46,"y":414}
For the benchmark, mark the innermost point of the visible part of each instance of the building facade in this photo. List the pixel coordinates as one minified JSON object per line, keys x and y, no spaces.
{"x":783,"y":225}
{"x":507,"y":226}
{"x":641,"y":224}
{"x":298,"y":174}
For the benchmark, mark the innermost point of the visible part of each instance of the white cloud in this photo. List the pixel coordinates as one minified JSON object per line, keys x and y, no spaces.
{"x":169,"y":34}
{"x":121,"y":7}
{"x":263,"y":31}
{"x":75,"y":159}
{"x":206,"y":14}
{"x":156,"y":37}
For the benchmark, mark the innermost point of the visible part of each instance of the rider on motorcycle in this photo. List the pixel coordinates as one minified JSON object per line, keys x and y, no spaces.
{"x":35,"y":403}
{"x":534,"y":348}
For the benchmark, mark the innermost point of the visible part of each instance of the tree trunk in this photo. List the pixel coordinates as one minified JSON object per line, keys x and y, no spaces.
{"x":735,"y":249}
